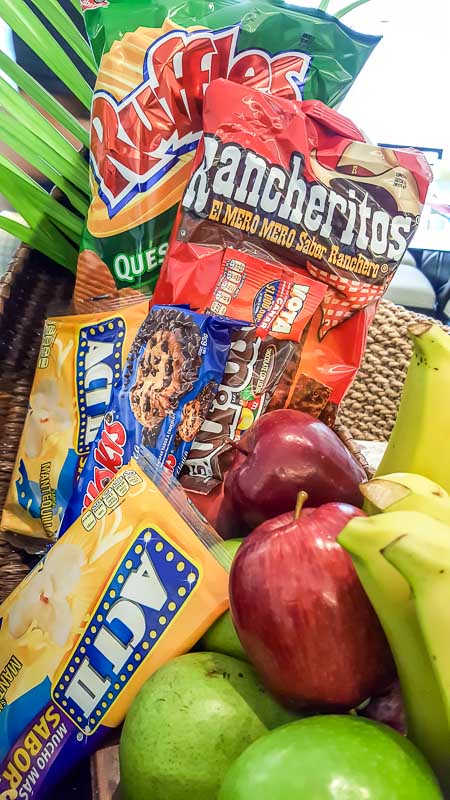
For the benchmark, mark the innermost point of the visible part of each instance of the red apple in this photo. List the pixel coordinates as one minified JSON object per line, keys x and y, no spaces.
{"x":284,"y":452}
{"x":303,"y":617}
{"x":208,"y":504}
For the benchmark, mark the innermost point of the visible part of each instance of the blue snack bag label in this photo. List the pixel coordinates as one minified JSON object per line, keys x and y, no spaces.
{"x":175,"y":366}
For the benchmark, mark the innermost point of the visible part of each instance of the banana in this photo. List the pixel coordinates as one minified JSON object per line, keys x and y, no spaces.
{"x":403,"y":491}
{"x":419,"y":440}
{"x":424,"y":561}
{"x":366,"y":539}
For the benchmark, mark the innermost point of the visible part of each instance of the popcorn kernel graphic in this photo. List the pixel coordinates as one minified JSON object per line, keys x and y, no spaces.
{"x":44,"y":604}
{"x":46,"y":416}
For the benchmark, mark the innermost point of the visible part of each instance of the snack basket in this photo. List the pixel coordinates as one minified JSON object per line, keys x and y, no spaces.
{"x":33,"y":284}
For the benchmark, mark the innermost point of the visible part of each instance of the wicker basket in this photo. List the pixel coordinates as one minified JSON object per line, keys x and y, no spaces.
{"x":26,"y":291}
{"x":30,"y":287}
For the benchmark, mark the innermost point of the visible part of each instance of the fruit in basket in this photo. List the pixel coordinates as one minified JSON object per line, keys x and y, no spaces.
{"x":388,"y":709}
{"x":187,"y":725}
{"x":366,"y":539}
{"x":221,"y":637}
{"x":303,"y":616}
{"x":285,"y":452}
{"x":404,"y":491}
{"x":419,"y":440}
{"x":331,"y":758}
{"x":422,"y":556}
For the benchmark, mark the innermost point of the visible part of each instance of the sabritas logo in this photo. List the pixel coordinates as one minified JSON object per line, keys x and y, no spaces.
{"x":88,"y":5}
{"x":136,"y":141}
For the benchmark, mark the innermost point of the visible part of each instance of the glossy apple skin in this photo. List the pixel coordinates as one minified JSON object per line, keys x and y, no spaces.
{"x":303,"y":617}
{"x":331,"y":758}
{"x":287,"y":451}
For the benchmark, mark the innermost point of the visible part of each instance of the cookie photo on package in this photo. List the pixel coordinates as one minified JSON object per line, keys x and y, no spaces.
{"x":174,"y":368}
{"x":80,"y":360}
{"x":155,"y":61}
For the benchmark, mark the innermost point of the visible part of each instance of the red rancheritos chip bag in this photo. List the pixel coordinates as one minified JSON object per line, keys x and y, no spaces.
{"x":297,"y":182}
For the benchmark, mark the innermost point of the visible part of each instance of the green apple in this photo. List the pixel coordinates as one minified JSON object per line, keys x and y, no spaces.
{"x":187,"y":725}
{"x":221,"y":637}
{"x":331,"y":758}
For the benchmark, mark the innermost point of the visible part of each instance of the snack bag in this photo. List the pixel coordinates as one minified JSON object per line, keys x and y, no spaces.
{"x":155,"y":61}
{"x":80,"y":359}
{"x":174,"y":368}
{"x":296,"y":183}
{"x":263,"y":367}
{"x":136,"y":581}
{"x":268,"y":295}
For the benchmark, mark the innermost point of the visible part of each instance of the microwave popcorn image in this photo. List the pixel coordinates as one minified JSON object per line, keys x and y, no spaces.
{"x":81,"y":358}
{"x":134,"y":582}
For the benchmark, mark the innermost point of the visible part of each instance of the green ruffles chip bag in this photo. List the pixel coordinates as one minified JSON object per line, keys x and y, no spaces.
{"x":156,"y":60}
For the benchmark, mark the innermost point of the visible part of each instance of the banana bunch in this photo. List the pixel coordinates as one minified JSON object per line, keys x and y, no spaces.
{"x":420,"y":439}
{"x":401,"y":551}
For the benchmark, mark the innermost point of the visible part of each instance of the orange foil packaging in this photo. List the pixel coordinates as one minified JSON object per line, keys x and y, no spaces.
{"x":296,"y":184}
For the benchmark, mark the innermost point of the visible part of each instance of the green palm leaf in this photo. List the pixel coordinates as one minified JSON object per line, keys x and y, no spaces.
{"x":61,"y":21}
{"x":43,"y":98}
{"x":34,"y":239}
{"x":31,"y":149}
{"x":27,"y":126}
{"x":28,"y":26}
{"x":19,"y":108}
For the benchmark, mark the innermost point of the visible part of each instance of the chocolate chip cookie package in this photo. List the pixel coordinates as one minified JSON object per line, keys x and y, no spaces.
{"x":175,"y":365}
{"x":134,"y":582}
{"x":155,"y":62}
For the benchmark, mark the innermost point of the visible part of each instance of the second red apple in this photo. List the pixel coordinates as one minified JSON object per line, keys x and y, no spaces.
{"x":302,"y":615}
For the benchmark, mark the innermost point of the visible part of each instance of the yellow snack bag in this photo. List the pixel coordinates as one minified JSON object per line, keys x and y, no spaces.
{"x":80,"y":359}
{"x":134,"y":582}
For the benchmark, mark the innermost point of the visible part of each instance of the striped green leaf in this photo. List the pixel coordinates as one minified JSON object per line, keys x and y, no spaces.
{"x":31,"y":200}
{"x":34,"y":203}
{"x":65,"y":256}
{"x":26,"y":24}
{"x":43,"y":98}
{"x":28,"y":147}
{"x":25,"y":114}
{"x":76,"y":4}
{"x":51,"y":9}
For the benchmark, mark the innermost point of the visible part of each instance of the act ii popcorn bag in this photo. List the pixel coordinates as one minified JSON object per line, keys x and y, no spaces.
{"x":80,"y":360}
{"x":135,"y":581}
